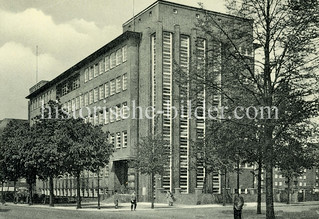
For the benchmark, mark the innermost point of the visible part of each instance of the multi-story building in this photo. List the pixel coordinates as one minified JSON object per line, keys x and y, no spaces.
{"x":137,"y":69}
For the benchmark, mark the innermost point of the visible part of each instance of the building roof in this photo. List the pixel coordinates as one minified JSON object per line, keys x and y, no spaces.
{"x":126,"y":35}
{"x":186,"y":7}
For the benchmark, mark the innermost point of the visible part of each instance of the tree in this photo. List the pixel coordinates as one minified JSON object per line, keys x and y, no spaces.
{"x":286,"y":33}
{"x":296,"y":153}
{"x":152,"y":158}
{"x":12,"y":140}
{"x":49,"y":155}
{"x":87,"y":148}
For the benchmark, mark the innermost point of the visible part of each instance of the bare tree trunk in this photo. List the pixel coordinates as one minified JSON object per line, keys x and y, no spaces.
{"x":30,"y":193}
{"x":152,"y":189}
{"x":224,"y":188}
{"x":288,"y":190}
{"x":51,"y":191}
{"x":98,"y":191}
{"x":238,"y":176}
{"x":259,"y":186}
{"x":15,"y":192}
{"x":270,"y":213}
{"x":78,"y":193}
{"x":2,"y":196}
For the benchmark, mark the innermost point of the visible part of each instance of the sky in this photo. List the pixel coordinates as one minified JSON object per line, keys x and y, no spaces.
{"x":65,"y":31}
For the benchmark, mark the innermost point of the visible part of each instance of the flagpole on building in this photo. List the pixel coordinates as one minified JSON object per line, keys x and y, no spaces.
{"x":37,"y":70}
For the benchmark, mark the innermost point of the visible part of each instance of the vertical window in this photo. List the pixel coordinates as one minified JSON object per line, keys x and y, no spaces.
{"x":81,"y":101}
{"x":112,"y":87}
{"x":118,"y":84}
{"x":101,"y":118}
{"x":91,"y":97}
{"x":124,"y":137}
{"x":101,"y":91}
{"x":124,"y":53}
{"x":112,"y":140}
{"x":106,"y":116}
{"x":118,"y":140}
{"x":106,"y":90}
{"x":91,"y":73}
{"x":96,"y":119}
{"x":124,"y":81}
{"x":113,"y":60}
{"x":125,"y":111}
{"x":107,"y":63}
{"x":101,"y":64}
{"x":73,"y":104}
{"x":118,"y":112}
{"x":96,"y":70}
{"x":86,"y":75}
{"x":112,"y":114}
{"x":86,"y":99}
{"x":118,"y":57}
{"x":96,"y":94}
{"x":69,"y":106}
{"x":77,"y":103}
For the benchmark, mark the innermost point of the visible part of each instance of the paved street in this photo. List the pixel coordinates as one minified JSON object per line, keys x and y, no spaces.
{"x":301,"y":210}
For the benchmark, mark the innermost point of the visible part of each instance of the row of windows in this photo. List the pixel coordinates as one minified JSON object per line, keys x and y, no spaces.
{"x":119,"y":139}
{"x":107,"y":63}
{"x":109,"y":115}
{"x":36,"y":102}
{"x":99,"y":93}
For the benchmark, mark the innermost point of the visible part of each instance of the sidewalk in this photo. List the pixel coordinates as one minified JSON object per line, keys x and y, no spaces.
{"x":146,"y":206}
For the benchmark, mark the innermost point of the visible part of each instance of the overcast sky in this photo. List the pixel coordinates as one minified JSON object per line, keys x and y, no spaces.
{"x":66,"y":31}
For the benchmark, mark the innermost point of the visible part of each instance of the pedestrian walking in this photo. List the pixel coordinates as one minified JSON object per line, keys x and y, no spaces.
{"x":116,"y":199}
{"x":133,"y":201}
{"x":170,"y":198}
{"x":238,"y":206}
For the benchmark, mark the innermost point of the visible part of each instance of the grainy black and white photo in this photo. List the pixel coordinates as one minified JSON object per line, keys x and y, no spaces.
{"x":159,"y":109}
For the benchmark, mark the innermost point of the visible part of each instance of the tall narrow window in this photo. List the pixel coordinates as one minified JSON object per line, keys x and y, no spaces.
{"x":101,"y":91}
{"x":167,"y":103}
{"x":77,"y":103}
{"x":101,"y":118}
{"x":118,"y":84}
{"x":124,"y":53}
{"x":91,"y":97}
{"x":106,"y":90}
{"x":184,"y":117}
{"x":119,"y":57}
{"x":107,"y":63}
{"x":106,"y":116}
{"x":112,"y":114}
{"x":96,"y":70}
{"x":113,"y":60}
{"x":91,"y":70}
{"x":112,"y":87}
{"x":153,"y":78}
{"x":96,"y":94}
{"x":125,"y":111}
{"x":118,"y":112}
{"x":124,"y":81}
{"x":86,"y":75}
{"x":73,"y":104}
{"x":86,"y":99}
{"x":81,"y":101}
{"x":124,"y":137}
{"x":112,"y":140}
{"x":101,"y":66}
{"x":118,"y":140}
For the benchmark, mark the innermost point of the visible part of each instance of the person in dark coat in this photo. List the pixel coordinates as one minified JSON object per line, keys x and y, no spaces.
{"x":116,"y":199}
{"x":238,"y":206}
{"x":133,"y":201}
